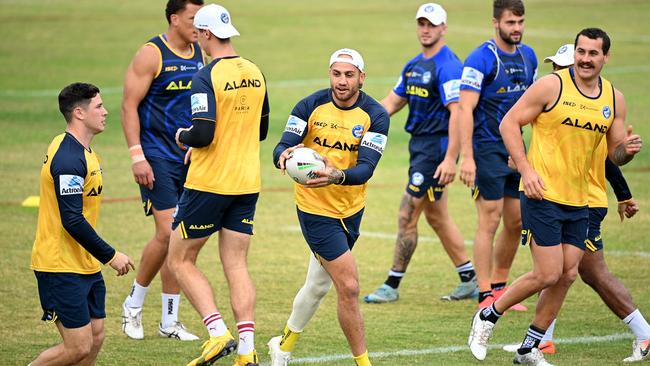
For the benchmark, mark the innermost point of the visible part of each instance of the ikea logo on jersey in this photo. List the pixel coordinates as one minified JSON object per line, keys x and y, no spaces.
{"x":295,"y":125}
{"x":375,"y":141}
{"x":70,"y":184}
{"x":199,"y":103}
{"x":472,"y":77}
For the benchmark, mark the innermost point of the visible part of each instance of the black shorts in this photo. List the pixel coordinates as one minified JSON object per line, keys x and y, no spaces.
{"x":425,"y":154}
{"x":168,"y":187}
{"x":594,"y":240}
{"x":328,"y":237}
{"x":71,"y":298}
{"x":494,"y":178}
{"x":200,"y":214}
{"x":551,"y":223}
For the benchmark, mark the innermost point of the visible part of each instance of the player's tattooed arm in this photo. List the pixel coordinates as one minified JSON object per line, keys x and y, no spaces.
{"x":621,"y":156}
{"x":336,"y":176}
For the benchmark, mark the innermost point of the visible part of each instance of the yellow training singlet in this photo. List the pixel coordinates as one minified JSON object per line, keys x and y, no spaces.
{"x":597,"y":181}
{"x":565,"y":137}
{"x":232,"y":92}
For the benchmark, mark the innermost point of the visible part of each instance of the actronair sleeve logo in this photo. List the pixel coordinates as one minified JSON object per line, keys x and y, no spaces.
{"x":452,"y":89}
{"x":70,"y":184}
{"x":199,"y":103}
{"x":472,"y":77}
{"x":295,"y":125}
{"x":375,"y":141}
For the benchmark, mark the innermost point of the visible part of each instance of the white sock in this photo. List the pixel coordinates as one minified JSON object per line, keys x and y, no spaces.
{"x":548,"y":336}
{"x":169,"y":314}
{"x":246,"y":331}
{"x":214,"y":323}
{"x":136,"y":297}
{"x":317,"y":285}
{"x":638,"y":325}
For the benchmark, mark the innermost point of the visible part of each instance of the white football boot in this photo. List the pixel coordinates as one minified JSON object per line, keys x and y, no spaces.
{"x":132,"y":322}
{"x":176,"y":331}
{"x":278,"y":356}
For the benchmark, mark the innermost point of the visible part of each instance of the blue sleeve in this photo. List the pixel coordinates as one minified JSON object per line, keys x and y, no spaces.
{"x":371,"y":149}
{"x":617,"y":181}
{"x":475,"y":70}
{"x":68,"y":173}
{"x":400,"y":86}
{"x":294,"y":131}
{"x":449,"y":76}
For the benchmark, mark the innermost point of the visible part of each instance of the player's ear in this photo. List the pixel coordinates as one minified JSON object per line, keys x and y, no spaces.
{"x":173,"y":19}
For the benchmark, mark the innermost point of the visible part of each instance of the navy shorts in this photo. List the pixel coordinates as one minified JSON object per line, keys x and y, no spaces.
{"x":168,"y":187}
{"x":594,"y":240}
{"x":425,"y":154}
{"x":551,"y":223}
{"x":71,"y":298}
{"x":200,"y":214}
{"x":494,"y":178}
{"x":328,"y":237}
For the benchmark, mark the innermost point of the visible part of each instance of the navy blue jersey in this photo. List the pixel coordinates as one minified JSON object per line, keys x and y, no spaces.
{"x":166,"y":107}
{"x":501,"y":78}
{"x":429,"y":85}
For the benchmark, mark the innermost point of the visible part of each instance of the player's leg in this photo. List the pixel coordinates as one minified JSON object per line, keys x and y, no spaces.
{"x":489,"y":216}
{"x":97,"y":326}
{"x":77,"y":345}
{"x":308,"y":299}
{"x":407,"y":240}
{"x":343,"y":271}
{"x":437,"y":215}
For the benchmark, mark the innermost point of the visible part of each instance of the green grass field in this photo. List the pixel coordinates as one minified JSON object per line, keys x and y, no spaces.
{"x":50,"y":43}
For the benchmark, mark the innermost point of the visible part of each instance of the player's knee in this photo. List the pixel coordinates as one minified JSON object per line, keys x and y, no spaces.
{"x":548,"y":278}
{"x":437,"y":221}
{"x":512,"y":223}
{"x":319,"y":289}
{"x":98,"y":340}
{"x":79,"y":351}
{"x":569,"y":276}
{"x":349,"y":289}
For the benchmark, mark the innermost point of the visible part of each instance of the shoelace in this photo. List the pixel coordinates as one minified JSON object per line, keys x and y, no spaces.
{"x":131,"y":319}
{"x":484,"y":334}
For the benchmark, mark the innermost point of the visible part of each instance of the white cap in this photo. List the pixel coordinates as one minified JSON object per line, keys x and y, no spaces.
{"x":216,"y":19}
{"x":433,"y":12}
{"x":353,"y":59}
{"x":563,"y":57}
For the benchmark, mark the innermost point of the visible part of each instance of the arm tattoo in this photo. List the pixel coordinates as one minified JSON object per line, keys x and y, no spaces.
{"x":620,"y":156}
{"x":336,"y":177}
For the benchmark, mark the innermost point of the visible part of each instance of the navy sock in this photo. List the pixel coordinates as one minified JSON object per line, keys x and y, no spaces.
{"x":490,"y":314}
{"x":533,"y":338}
{"x":483,"y":295}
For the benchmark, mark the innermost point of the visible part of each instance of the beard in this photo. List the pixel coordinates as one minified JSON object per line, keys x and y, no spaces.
{"x":507,"y":38}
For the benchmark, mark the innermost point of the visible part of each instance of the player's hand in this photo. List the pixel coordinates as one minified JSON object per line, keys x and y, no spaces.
{"x":468,"y":172}
{"x":327,"y":176}
{"x":121,"y":264}
{"x":143,"y":174}
{"x":533,"y":184}
{"x":178,"y":135}
{"x":445,"y":172}
{"x":285,"y":155}
{"x":633,"y":143}
{"x":627,"y":209}
{"x":511,"y":163}
{"x":188,"y":156}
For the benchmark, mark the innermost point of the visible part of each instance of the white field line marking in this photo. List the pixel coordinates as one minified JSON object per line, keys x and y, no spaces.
{"x":430,"y":239}
{"x":286,"y":84}
{"x":450,"y":349}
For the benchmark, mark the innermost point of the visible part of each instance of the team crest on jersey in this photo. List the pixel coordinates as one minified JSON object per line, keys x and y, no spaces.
{"x":70,"y":184}
{"x":426,"y":77}
{"x":607,"y":112}
{"x":417,"y":179}
{"x":357,"y":131}
{"x":199,"y":65}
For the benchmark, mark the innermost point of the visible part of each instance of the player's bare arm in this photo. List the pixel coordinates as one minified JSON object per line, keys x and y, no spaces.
{"x":137,"y":81}
{"x":329,"y":175}
{"x":467,"y":102}
{"x":622,"y":144}
{"x":446,"y":171}
{"x":393,"y":103}
{"x":541,"y":94}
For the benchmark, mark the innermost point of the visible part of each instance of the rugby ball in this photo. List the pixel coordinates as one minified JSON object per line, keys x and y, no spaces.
{"x":302,"y":164}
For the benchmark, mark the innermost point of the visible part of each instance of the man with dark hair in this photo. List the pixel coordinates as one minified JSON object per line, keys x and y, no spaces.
{"x":330,"y":207}
{"x":593,"y":269}
{"x":571,"y":111}
{"x":67,"y":253}
{"x":495,"y":76}
{"x":156,"y":103}
{"x":429,"y":84}
{"x":230,"y":116}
